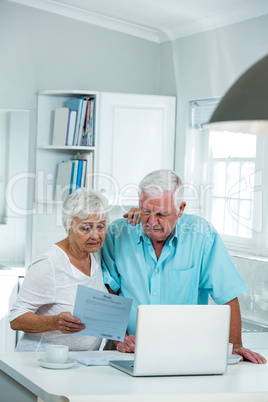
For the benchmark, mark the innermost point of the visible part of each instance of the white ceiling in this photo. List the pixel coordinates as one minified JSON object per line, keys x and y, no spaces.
{"x":155,"y":20}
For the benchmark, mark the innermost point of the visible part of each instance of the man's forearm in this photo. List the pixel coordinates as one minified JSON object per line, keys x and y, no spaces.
{"x":235,"y":324}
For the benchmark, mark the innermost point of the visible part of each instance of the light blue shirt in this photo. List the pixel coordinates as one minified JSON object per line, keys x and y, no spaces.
{"x":193,"y":264}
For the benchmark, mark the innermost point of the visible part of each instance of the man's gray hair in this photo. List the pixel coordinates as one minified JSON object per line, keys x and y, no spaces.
{"x":158,"y":182}
{"x":81,"y":204}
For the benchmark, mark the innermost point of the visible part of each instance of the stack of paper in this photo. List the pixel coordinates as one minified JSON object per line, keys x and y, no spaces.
{"x":99,"y":358}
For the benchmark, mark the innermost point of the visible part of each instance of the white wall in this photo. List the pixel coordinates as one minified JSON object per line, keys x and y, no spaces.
{"x":40,"y":50}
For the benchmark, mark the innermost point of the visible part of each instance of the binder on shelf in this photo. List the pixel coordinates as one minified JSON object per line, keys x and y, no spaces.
{"x":63,"y":180}
{"x":61,"y":125}
{"x":75,"y":104}
{"x":89,"y":166}
{"x":74,"y":176}
{"x":79,"y":174}
{"x":85,"y":138}
{"x":71,"y":129}
{"x":84,"y":172}
{"x":82,"y":121}
{"x":90,"y":170}
{"x":91,"y":123}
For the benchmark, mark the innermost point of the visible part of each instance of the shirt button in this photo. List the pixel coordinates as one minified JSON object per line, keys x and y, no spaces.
{"x":154,"y":293}
{"x":156,"y":270}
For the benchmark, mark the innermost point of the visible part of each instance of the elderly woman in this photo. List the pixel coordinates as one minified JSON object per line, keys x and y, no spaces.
{"x":44,"y":306}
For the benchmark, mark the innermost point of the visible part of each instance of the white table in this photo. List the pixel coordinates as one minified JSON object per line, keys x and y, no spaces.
{"x":22,"y":380}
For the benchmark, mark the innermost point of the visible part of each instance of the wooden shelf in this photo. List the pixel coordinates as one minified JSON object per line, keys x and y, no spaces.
{"x":66,"y":92}
{"x":66,"y":148}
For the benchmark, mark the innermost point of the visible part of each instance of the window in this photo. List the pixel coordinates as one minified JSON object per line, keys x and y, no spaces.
{"x":232,"y":171}
{"x":14,"y":163}
{"x":226,"y":171}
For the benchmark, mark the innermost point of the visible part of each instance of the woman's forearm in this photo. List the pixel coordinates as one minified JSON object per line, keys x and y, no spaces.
{"x":34,"y":323}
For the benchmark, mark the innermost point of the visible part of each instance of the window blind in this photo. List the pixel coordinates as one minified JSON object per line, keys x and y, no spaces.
{"x":201,"y":111}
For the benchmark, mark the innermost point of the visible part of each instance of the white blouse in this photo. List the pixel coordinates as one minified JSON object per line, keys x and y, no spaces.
{"x":49,"y":288}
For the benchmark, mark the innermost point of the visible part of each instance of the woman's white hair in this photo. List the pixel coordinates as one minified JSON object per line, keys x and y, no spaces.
{"x":158,"y":182}
{"x":81,"y":204}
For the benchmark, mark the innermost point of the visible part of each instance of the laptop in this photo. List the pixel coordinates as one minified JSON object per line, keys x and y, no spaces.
{"x":179,"y":340}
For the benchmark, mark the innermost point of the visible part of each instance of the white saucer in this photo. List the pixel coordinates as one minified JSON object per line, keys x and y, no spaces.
{"x":57,"y":366}
{"x":233,"y":359}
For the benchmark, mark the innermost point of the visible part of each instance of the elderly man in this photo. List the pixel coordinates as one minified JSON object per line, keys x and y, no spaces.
{"x":171,"y":258}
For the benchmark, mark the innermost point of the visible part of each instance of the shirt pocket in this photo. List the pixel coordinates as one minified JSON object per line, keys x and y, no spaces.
{"x":183,"y":288}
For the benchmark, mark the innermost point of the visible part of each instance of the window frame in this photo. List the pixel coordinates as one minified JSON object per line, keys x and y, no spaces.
{"x":236,"y":242}
{"x":258,"y":244}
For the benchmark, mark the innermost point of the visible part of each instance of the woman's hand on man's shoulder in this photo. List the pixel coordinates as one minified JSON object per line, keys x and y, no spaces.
{"x":133,"y":216}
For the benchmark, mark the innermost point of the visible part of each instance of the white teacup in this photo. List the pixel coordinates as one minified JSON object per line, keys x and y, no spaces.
{"x":57,"y":353}
{"x":230,"y":349}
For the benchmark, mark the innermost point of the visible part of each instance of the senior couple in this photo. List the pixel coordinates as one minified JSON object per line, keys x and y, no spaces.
{"x":167,"y":258}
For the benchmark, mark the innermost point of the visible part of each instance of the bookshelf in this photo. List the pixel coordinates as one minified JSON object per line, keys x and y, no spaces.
{"x":48,"y":156}
{"x":133,"y":135}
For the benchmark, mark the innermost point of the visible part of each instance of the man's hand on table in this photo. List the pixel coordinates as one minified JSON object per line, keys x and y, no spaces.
{"x":248,"y":354}
{"x":127,"y":346}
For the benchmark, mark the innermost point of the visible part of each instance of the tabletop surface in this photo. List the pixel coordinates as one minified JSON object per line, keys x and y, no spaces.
{"x":84,"y":383}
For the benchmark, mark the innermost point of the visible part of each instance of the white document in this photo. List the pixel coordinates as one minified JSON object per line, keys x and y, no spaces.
{"x":103,"y":314}
{"x":99,"y":358}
